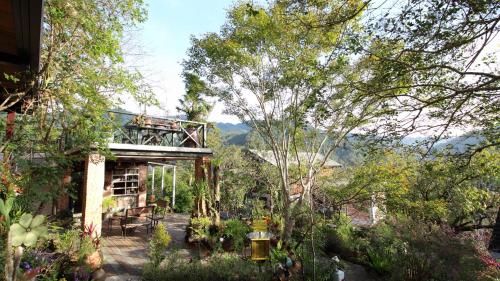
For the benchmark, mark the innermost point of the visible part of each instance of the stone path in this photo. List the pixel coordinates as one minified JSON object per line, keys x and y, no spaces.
{"x":124,"y":257}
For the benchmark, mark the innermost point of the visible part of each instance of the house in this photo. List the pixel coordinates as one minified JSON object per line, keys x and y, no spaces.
{"x":140,"y":141}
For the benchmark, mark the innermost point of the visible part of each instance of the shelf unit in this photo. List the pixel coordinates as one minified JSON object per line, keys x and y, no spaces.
{"x":125,"y":181}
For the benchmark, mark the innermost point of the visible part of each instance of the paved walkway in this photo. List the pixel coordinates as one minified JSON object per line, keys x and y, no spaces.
{"x":124,"y":257}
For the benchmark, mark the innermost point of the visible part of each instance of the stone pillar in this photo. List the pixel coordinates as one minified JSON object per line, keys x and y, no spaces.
{"x":93,"y":188}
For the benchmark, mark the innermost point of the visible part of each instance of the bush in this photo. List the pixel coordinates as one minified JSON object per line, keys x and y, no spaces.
{"x":184,"y":199}
{"x":433,"y":253}
{"x":383,"y":249}
{"x":237,"y":231}
{"x":158,"y":244}
{"x":200,"y":227}
{"x":225,"y":267}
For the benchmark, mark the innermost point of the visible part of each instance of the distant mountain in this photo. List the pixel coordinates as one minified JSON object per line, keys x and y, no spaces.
{"x":459,"y":144}
{"x":232,"y":129}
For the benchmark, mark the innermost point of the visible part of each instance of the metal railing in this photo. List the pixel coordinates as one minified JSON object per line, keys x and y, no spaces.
{"x":157,"y":131}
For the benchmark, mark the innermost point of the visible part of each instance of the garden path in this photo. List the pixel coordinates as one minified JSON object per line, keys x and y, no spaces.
{"x":124,"y":257}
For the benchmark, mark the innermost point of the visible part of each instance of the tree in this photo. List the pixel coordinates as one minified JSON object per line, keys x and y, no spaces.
{"x":281,"y":77}
{"x":437,"y":190}
{"x":193,"y":103}
{"x":437,"y":68}
{"x":82,"y":75}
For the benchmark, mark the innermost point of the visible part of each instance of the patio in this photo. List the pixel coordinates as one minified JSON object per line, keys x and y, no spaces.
{"x":124,"y":257}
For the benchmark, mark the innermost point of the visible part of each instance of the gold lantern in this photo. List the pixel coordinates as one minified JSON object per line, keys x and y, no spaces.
{"x":260,"y":249}
{"x":260,"y":241}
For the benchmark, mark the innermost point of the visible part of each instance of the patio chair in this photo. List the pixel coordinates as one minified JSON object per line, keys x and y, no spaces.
{"x":155,"y":217}
{"x":137,"y":217}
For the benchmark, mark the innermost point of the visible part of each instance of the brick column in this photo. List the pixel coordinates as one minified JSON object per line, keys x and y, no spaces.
{"x":93,"y":188}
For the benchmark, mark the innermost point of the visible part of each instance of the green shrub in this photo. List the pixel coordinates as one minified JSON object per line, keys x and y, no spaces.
{"x":68,"y":241}
{"x":237,"y":231}
{"x":109,"y":203}
{"x":434,"y":253}
{"x":200,"y":227}
{"x":158,"y":244}
{"x":184,"y":199}
{"x":383,"y":248}
{"x":225,"y":267}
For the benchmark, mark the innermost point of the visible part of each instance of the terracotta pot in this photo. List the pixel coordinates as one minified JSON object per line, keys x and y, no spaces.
{"x":173,"y":125}
{"x":94,"y":260}
{"x":148,"y":121}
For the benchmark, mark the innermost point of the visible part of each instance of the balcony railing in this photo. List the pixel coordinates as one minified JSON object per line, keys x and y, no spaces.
{"x":156,"y":131}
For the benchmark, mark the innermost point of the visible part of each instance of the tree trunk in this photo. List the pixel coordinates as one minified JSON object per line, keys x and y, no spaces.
{"x":217,"y":194}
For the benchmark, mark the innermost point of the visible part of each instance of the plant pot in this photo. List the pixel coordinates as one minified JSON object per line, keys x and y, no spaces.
{"x":191,"y":141}
{"x":94,"y":260}
{"x":148,"y":121}
{"x":173,"y":125}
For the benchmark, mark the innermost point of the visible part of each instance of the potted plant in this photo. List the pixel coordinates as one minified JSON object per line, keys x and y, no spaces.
{"x":109,"y":205}
{"x":139,"y":120}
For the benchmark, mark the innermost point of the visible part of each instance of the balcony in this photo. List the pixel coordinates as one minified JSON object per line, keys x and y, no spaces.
{"x":139,"y":136}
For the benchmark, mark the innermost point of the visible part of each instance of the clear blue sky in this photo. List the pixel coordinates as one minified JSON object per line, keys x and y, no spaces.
{"x":165,"y":38}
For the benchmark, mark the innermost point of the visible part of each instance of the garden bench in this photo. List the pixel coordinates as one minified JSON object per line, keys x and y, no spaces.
{"x":137,"y":217}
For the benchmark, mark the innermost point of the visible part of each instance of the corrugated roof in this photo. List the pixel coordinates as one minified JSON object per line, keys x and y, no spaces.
{"x":268,"y":156}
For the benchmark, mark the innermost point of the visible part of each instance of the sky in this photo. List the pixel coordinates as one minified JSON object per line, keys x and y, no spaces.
{"x":163,"y":41}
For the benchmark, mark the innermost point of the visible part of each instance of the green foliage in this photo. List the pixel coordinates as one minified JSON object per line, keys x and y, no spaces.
{"x":225,"y":267}
{"x":28,"y":231}
{"x":278,"y":253}
{"x":184,"y":198}
{"x":437,"y":190}
{"x":5,"y":208}
{"x":68,"y":241}
{"x":433,"y":253}
{"x":82,"y":38}
{"x":86,"y":247}
{"x":193,"y":103}
{"x":200,"y":227}
{"x":237,"y":230}
{"x":158,"y":244}
{"x":109,"y":203}
{"x":383,"y":248}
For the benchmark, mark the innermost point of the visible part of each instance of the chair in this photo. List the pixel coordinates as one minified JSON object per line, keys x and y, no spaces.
{"x":136,"y":217}
{"x":158,"y":216}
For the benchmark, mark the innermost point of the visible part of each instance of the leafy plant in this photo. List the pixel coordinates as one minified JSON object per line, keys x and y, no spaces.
{"x":90,"y":231}
{"x":158,"y":244}
{"x":225,"y":267}
{"x":109,"y":203}
{"x":5,"y":208}
{"x":237,"y":231}
{"x":200,"y":227}
{"x":28,"y":230}
{"x":278,"y":253}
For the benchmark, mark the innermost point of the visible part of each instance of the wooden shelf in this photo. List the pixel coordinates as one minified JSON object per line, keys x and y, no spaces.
{"x":125,"y":181}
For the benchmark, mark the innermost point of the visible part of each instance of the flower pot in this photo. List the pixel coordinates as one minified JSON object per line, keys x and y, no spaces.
{"x":94,"y":260}
{"x":148,"y":121}
{"x":173,"y":125}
